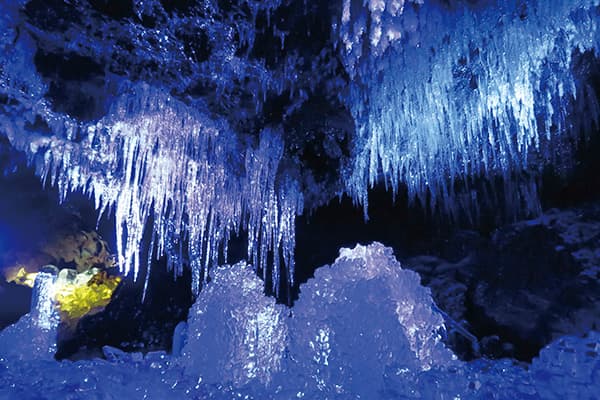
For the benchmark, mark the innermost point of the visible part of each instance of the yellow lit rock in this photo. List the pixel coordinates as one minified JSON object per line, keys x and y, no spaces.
{"x":82,"y":287}
{"x":84,"y":293}
{"x":20,"y":276}
{"x":80,"y":250}
{"x":83,"y":249}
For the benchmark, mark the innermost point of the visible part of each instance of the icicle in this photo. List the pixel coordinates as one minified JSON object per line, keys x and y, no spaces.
{"x":470,"y":99}
{"x":153,"y":158}
{"x":148,"y":266}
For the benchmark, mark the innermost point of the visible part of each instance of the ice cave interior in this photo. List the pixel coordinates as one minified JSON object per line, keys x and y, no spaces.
{"x":300,"y":199}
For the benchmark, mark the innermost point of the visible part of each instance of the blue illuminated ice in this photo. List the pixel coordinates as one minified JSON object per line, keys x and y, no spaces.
{"x":153,"y":158}
{"x":235,"y":333}
{"x":361,"y":318}
{"x":365,"y":301}
{"x":441,"y":93}
{"x":363,"y":328}
{"x":444,"y":93}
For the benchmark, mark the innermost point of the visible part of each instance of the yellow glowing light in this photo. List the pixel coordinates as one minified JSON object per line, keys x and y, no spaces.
{"x":86,"y":294}
{"x":82,"y":288}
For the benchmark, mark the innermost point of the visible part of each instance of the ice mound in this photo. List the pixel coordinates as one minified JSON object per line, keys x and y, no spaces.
{"x":569,"y":368}
{"x":236,"y":334}
{"x":360,"y":318}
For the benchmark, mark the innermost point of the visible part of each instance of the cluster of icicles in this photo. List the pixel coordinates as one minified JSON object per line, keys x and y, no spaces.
{"x":156,"y":161}
{"x":448,"y":92}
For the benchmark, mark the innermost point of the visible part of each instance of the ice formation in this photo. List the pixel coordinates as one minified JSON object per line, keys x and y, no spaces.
{"x":338,"y":313}
{"x":155,"y":160}
{"x":173,"y":127}
{"x":173,"y":165}
{"x":444,"y":93}
{"x":361,"y":318}
{"x":254,"y":346}
{"x":363,"y":328}
{"x":33,"y":337}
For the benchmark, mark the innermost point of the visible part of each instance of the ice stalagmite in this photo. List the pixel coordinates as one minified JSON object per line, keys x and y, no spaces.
{"x":33,"y":337}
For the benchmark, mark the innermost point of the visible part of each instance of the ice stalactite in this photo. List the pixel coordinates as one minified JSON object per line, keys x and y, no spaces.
{"x":441,"y":93}
{"x":156,"y":161}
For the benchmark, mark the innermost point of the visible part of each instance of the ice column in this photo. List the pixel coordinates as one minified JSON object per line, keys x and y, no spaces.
{"x":44,"y":315}
{"x":33,"y":337}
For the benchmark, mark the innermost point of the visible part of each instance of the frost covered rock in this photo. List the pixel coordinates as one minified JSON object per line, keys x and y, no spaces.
{"x":236,"y":334}
{"x":569,"y":368}
{"x":361,"y":318}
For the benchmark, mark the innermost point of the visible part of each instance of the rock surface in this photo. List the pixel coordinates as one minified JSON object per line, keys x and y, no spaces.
{"x":524,"y":285}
